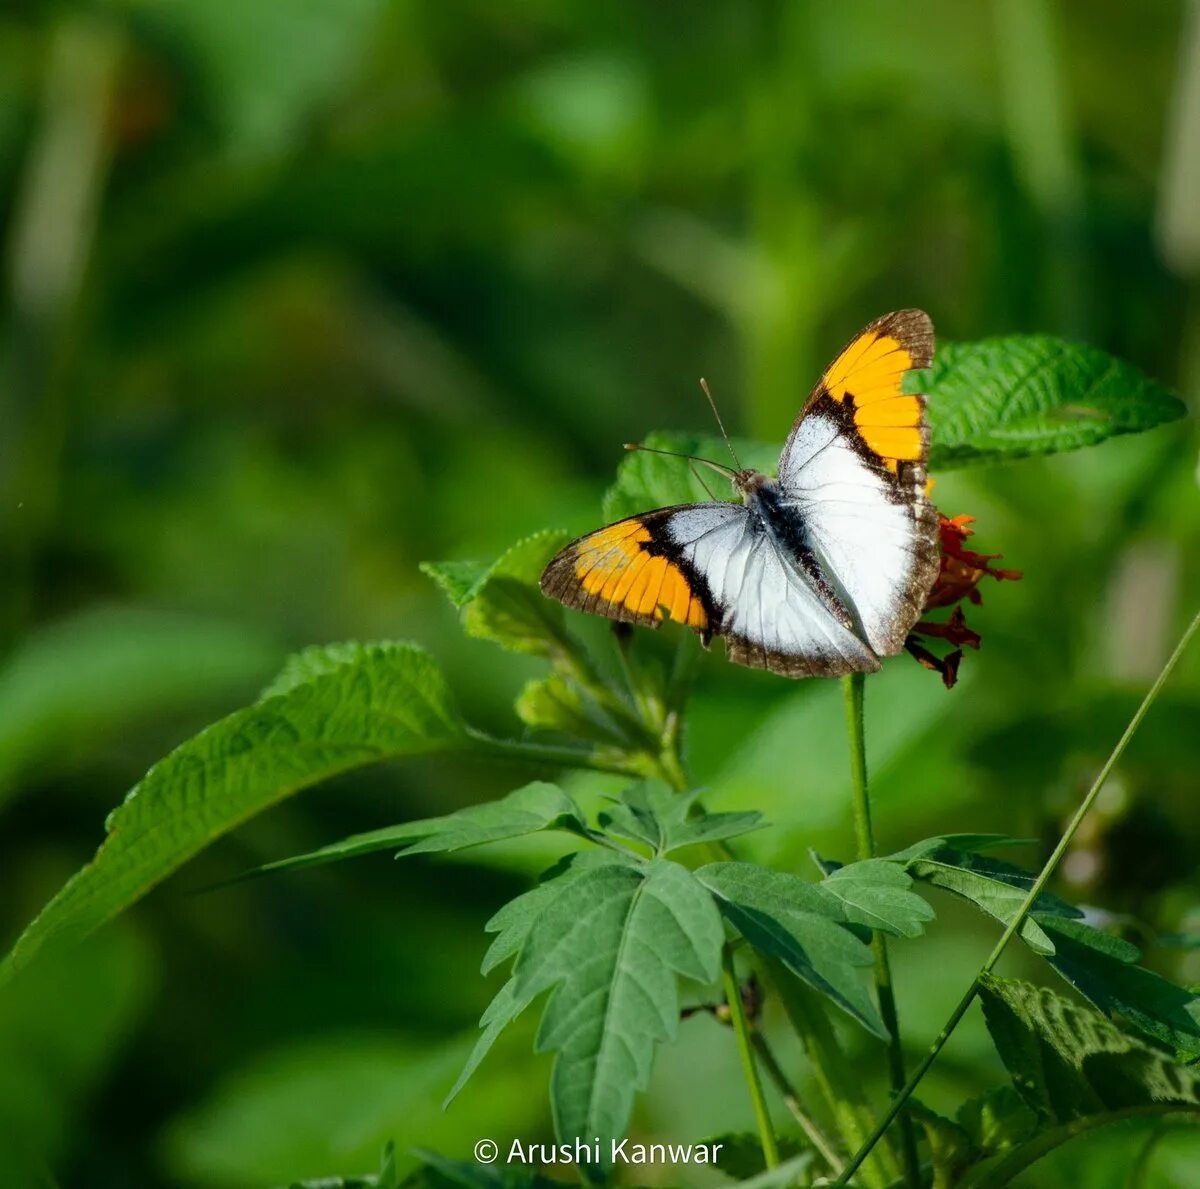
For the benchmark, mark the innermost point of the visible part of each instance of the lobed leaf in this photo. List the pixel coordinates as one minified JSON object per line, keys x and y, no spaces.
{"x":363,"y":704}
{"x":1021,"y":395}
{"x":1104,"y":970}
{"x":527,"y":810}
{"x":610,"y":946}
{"x":997,"y":887}
{"x":654,"y":814}
{"x":512,"y":924}
{"x":1101,"y":967}
{"x":876,"y":894}
{"x":803,"y":925}
{"x":960,"y":842}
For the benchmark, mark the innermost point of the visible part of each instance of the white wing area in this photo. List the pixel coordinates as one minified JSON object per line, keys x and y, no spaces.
{"x":772,"y":618}
{"x":869,"y":544}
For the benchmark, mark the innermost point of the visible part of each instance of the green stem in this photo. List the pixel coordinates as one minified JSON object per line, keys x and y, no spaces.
{"x":523,"y":751}
{"x":853,"y":687}
{"x":741,"y":1030}
{"x":1004,"y":1169}
{"x":791,"y":1100}
{"x":843,"y":1093}
{"x":1019,"y":918}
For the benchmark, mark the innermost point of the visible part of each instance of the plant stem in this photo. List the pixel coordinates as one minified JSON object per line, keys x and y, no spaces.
{"x":843,"y":1093}
{"x":1019,"y":919}
{"x":853,"y":687}
{"x":523,"y":751}
{"x":741,"y":1029}
{"x":791,"y":1100}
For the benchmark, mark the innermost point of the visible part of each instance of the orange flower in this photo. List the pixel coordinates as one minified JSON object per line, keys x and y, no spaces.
{"x":958,"y":578}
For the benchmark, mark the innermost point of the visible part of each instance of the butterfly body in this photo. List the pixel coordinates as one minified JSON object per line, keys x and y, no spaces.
{"x":818,"y":572}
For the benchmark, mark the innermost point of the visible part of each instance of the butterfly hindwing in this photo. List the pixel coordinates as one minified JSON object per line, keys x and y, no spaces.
{"x":773,"y":616}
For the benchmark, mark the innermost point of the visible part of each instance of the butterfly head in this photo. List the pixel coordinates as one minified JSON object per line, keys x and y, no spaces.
{"x":747,"y":483}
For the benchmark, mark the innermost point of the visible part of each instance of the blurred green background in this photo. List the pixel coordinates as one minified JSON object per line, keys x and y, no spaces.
{"x":298,"y":293}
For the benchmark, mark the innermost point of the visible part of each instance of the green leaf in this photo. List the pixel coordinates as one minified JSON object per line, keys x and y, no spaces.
{"x":1103,"y":969}
{"x":503,"y":603}
{"x":1020,"y":395}
{"x":989,"y":401}
{"x":876,"y":894}
{"x":553,"y":704}
{"x":458,"y":580}
{"x":803,"y":925}
{"x":962,"y":842}
{"x":997,"y":887}
{"x":1068,"y":1061}
{"x":512,"y":925}
{"x":647,"y":481}
{"x":527,"y":810}
{"x":376,"y":702}
{"x":654,"y":814}
{"x":318,"y":660}
{"x":611,"y":946}
{"x":536,"y":806}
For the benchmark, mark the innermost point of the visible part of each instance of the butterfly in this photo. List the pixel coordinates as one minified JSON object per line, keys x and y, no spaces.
{"x":819,"y":572}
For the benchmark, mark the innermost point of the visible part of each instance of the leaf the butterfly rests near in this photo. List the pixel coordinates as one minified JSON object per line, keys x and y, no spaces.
{"x":820,"y":572}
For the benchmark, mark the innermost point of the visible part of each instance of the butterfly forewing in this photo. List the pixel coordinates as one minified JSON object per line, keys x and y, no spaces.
{"x":635,"y":570}
{"x":853,"y":469}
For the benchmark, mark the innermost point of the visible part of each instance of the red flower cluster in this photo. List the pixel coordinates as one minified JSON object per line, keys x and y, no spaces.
{"x":958,"y":579}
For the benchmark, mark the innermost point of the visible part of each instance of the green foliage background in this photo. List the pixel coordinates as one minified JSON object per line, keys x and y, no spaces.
{"x":299,"y":294}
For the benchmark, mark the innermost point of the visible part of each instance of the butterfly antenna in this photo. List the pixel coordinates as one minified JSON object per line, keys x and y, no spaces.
{"x":719,"y":467}
{"x":713,"y":405}
{"x":700,"y":480}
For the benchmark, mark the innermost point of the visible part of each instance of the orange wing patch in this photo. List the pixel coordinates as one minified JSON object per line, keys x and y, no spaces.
{"x":870,"y":370}
{"x":615,"y":565}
